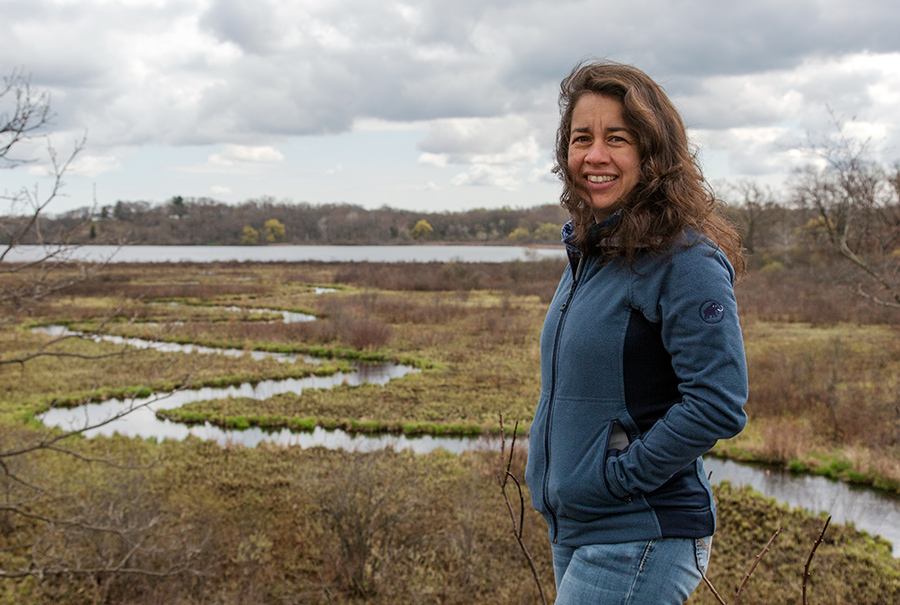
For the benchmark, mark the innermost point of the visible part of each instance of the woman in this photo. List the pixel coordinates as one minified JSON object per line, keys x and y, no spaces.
{"x":642,"y":359}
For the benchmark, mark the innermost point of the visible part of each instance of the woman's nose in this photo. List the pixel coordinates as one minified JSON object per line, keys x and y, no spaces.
{"x":598,"y":153}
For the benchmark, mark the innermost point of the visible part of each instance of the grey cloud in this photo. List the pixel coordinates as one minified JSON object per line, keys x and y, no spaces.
{"x":253,"y":26}
{"x":260,"y":69}
{"x":801,"y":96}
{"x":485,"y":136}
{"x":675,"y":42}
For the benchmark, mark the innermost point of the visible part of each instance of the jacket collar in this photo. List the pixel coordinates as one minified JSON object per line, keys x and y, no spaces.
{"x":593,"y":238}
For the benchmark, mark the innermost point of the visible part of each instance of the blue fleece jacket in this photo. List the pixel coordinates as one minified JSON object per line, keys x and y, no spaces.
{"x":654,"y":352}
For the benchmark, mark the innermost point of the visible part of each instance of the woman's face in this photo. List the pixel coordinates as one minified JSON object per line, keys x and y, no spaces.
{"x":603,"y":154}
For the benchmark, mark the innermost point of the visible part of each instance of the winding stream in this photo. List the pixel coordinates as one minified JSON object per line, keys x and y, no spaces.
{"x":137,"y":417}
{"x":867,"y":509}
{"x":870,"y":511}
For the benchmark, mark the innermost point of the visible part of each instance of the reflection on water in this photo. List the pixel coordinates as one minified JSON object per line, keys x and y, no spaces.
{"x":868,"y":510}
{"x":173,"y":347}
{"x":141,"y":420}
{"x":288,"y":316}
{"x":137,"y":417}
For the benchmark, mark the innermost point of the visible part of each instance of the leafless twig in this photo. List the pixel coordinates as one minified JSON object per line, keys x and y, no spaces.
{"x":713,"y":590}
{"x":518,"y":526}
{"x":737,"y":596}
{"x":810,"y":558}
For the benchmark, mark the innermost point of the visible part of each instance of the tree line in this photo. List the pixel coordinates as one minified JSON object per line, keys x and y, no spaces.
{"x":845,"y":212}
{"x":204,"y":221}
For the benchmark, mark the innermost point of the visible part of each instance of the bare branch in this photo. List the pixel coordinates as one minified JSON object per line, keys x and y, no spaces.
{"x":737,"y":596}
{"x":715,"y":592}
{"x":111,"y":462}
{"x":43,"y":352}
{"x":31,"y":114}
{"x":73,"y":523}
{"x":517,"y":528}
{"x":93,"y":571}
{"x":845,"y":251}
{"x":878,"y":301}
{"x":811,"y":554}
{"x":101,"y":531}
{"x":36,"y":202}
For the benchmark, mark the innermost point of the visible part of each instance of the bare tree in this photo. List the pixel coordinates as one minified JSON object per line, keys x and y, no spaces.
{"x":757,"y":213}
{"x":856,"y":203}
{"x":372,"y":513}
{"x":100,"y":530}
{"x":24,"y":115}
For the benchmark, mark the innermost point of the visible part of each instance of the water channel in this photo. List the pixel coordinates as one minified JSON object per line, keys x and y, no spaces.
{"x":868,"y":510}
{"x":878,"y":514}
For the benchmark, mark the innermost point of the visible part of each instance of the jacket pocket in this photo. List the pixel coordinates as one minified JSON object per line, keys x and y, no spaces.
{"x":581,"y":491}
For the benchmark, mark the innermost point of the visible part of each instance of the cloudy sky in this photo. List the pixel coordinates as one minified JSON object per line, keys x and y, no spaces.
{"x":425,"y":104}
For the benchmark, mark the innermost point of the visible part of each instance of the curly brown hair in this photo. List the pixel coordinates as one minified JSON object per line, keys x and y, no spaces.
{"x":671,"y":195}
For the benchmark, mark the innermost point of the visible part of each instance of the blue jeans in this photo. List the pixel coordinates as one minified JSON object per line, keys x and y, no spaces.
{"x":657,"y":572}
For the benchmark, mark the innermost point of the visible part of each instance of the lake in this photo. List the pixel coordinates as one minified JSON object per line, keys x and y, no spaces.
{"x":375,"y":254}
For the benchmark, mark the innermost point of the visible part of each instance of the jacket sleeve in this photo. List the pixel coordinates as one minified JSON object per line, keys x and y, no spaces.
{"x":691,"y":294}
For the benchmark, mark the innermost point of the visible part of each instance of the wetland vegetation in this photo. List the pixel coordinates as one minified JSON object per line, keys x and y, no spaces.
{"x":194,"y":522}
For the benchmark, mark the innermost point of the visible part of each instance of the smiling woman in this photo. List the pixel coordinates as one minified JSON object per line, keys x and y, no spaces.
{"x":642,"y":359}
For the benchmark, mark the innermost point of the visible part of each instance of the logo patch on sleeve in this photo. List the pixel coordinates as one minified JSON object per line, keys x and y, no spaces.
{"x":712,"y":312}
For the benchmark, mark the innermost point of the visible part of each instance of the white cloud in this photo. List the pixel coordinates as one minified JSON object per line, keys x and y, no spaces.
{"x":203,"y":71}
{"x":488,"y":176}
{"x":507,"y":140}
{"x":83,"y":165}
{"x":92,"y":166}
{"x":220,"y":190}
{"x":525,"y":151}
{"x":433,"y":159}
{"x":257,"y":154}
{"x":753,"y":151}
{"x":543,"y":174}
{"x":761,"y":120}
{"x":363,"y":124}
{"x":239,"y":158}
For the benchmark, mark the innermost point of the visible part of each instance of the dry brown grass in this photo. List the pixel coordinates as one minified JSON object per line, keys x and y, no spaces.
{"x":785,"y":440}
{"x":284,"y":520}
{"x":843,"y":381}
{"x":808,"y":294}
{"x":523,"y":278}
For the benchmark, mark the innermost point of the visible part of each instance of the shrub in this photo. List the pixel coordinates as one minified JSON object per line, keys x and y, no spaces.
{"x":361,"y":333}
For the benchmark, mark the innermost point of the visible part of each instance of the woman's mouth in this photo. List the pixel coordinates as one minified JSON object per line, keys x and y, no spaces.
{"x":597,"y":178}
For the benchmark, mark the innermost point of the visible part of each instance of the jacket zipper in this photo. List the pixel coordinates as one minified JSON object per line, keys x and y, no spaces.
{"x":562,"y":316}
